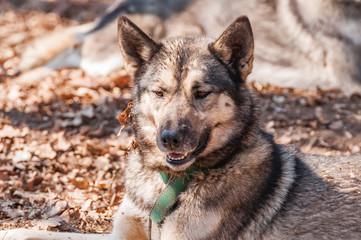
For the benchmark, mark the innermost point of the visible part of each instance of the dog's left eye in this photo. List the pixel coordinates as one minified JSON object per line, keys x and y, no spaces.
{"x":201,"y":94}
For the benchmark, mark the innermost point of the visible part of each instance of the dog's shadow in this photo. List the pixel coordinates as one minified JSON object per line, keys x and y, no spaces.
{"x":326,"y":197}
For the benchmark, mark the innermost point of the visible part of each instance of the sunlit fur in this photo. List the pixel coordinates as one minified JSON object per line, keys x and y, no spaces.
{"x":247,"y":180}
{"x":246,"y":187}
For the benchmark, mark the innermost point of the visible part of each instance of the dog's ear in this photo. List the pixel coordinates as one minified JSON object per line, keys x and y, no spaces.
{"x":235,"y":47}
{"x":136,"y":46}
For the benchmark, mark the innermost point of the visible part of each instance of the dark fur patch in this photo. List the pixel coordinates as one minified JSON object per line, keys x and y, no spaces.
{"x":258,"y":203}
{"x":239,"y":142}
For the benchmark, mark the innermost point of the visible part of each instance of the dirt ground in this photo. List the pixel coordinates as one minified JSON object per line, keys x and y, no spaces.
{"x":61,"y":164}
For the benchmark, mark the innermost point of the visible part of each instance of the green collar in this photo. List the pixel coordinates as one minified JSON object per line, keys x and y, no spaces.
{"x":169,"y":195}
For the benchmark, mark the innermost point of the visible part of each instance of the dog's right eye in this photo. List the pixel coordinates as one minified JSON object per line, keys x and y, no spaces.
{"x":158,"y":93}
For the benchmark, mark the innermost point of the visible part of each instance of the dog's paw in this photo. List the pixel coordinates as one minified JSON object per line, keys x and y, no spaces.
{"x":25,"y":234}
{"x":15,"y":234}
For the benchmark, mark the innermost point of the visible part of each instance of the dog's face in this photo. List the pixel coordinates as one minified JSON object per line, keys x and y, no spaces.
{"x":187,"y":101}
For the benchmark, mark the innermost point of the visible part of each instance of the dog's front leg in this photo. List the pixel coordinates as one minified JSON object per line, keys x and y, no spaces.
{"x":28,"y":234}
{"x":130,"y":222}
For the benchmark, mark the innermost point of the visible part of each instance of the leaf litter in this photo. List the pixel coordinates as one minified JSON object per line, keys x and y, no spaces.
{"x":61,"y":163}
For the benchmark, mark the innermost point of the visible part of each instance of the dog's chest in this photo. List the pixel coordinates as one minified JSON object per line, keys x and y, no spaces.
{"x":186,"y":221}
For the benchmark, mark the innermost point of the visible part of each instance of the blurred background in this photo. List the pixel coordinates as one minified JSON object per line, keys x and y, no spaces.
{"x":61,"y":164}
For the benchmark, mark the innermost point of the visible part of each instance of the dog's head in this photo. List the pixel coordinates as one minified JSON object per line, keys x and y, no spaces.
{"x":190,"y":98}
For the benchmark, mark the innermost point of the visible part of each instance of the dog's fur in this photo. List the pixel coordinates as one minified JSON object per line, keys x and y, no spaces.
{"x":300,"y":44}
{"x":190,"y":98}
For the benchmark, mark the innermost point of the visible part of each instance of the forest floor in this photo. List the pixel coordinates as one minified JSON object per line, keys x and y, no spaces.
{"x":61,"y":164}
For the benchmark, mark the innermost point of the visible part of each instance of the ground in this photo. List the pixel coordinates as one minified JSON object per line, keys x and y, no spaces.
{"x":61,"y":163}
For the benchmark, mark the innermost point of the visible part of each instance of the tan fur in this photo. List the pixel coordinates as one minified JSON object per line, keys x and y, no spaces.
{"x":192,"y":92}
{"x":37,"y":54}
{"x":298,"y":43}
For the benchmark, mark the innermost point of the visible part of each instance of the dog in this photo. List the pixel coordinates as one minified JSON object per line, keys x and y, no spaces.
{"x":202,"y":167}
{"x":299,"y":44}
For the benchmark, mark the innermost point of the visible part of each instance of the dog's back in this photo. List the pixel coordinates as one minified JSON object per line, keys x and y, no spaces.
{"x":325,"y":201}
{"x":298,"y":43}
{"x":192,"y":108}
{"x":196,"y":124}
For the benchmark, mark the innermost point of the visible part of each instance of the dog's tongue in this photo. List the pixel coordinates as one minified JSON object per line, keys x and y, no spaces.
{"x":176,"y":155}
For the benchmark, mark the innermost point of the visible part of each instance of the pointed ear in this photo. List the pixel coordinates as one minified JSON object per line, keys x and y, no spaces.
{"x":235,"y":47}
{"x":136,"y":46}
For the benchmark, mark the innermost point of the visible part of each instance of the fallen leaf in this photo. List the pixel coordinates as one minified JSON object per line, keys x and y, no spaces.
{"x":45,"y":151}
{"x":44,"y":224}
{"x":9,"y":132}
{"x":62,"y":143}
{"x":125,"y":117}
{"x":58,"y":208}
{"x":336,"y":125}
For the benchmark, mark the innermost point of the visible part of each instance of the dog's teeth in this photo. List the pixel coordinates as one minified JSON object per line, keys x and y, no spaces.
{"x":177,"y":156}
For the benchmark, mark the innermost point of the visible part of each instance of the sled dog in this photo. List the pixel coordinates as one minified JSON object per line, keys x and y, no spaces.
{"x":203,"y":168}
{"x":300,"y":44}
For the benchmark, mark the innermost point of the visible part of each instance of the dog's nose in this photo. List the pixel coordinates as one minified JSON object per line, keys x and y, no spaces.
{"x":171,"y":139}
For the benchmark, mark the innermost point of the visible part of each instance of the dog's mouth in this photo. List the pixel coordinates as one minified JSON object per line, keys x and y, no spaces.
{"x":179,"y":161}
{"x":176,"y":157}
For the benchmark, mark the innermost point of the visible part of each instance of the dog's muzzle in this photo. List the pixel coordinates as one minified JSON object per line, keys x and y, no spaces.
{"x":179,"y":161}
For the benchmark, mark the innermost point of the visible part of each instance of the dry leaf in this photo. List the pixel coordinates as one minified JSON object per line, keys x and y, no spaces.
{"x":125,"y":117}
{"x":62,"y":144}
{"x":9,"y":132}
{"x":45,"y":151}
{"x":44,"y":224}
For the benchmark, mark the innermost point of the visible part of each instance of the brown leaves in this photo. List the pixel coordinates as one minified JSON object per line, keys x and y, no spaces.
{"x":34,"y":165}
{"x":311,"y":119}
{"x":8,"y":131}
{"x":60,"y":161}
{"x":125,"y":117}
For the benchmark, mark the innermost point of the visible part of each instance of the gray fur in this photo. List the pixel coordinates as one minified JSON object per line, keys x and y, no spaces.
{"x":249,"y":187}
{"x":325,"y":201}
{"x":298,"y":43}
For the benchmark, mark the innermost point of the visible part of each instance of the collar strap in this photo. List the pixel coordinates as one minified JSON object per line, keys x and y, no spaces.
{"x":169,"y":195}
